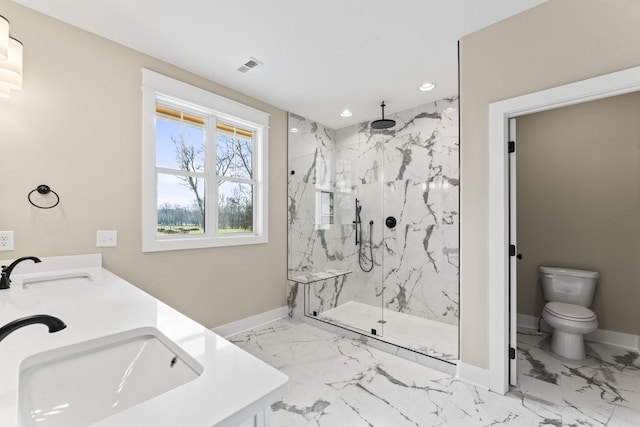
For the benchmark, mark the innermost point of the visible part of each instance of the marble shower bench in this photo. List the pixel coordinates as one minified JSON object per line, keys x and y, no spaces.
{"x":307,"y":278}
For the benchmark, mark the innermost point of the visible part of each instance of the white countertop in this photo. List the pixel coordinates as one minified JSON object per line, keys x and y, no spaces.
{"x":233,"y":387}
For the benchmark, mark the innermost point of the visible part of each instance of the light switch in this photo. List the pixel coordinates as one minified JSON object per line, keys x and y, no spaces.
{"x":106,"y":238}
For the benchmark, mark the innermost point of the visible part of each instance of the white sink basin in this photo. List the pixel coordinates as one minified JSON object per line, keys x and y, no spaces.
{"x":59,"y":277}
{"x":86,"y":382}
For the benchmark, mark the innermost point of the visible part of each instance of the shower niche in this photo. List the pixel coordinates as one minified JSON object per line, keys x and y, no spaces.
{"x":373,"y":228}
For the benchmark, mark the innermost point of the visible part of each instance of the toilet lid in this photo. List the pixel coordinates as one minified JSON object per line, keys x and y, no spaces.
{"x":570,"y":311}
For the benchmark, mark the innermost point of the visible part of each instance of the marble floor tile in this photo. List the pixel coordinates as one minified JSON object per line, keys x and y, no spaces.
{"x":336,"y":381}
{"x":603,"y":389}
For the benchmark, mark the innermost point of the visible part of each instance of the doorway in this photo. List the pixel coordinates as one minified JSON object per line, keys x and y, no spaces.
{"x":502,"y":289}
{"x":578,"y":174}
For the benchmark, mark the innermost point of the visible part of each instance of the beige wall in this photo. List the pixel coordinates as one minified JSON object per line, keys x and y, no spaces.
{"x":558,"y":42}
{"x":76,"y":126}
{"x":578,"y":203}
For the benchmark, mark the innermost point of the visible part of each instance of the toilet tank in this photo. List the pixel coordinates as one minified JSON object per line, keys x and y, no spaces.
{"x":568,"y":285}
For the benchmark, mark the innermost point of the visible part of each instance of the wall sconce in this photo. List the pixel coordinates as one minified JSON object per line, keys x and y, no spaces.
{"x":10,"y":60}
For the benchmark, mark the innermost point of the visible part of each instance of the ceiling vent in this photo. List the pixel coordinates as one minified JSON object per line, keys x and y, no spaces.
{"x":249,"y":65}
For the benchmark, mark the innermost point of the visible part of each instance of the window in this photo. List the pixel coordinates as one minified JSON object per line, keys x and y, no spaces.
{"x":204,"y":168}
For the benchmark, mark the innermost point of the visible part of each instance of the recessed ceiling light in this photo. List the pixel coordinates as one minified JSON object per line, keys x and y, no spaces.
{"x":427,"y":86}
{"x":346,"y":113}
{"x":449,"y":110}
{"x":294,"y":130}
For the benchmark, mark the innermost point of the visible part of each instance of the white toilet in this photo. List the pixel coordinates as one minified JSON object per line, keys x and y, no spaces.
{"x":568,"y":294}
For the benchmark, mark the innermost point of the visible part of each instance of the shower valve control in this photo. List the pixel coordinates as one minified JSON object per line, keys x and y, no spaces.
{"x":390,"y":221}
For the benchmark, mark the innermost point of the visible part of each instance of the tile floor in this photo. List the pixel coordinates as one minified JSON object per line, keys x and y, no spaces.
{"x":335,"y":381}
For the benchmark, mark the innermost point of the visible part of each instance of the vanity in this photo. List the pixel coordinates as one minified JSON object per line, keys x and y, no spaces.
{"x":123,"y":359}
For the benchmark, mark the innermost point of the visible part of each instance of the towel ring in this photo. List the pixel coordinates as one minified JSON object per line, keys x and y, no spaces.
{"x":43,"y":189}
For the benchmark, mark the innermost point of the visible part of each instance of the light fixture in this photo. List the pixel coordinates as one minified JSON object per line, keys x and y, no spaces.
{"x":4,"y":37}
{"x":10,"y":61}
{"x":11,"y":68}
{"x":346,"y":113}
{"x":427,"y":86}
{"x":449,"y":110}
{"x":294,"y":130}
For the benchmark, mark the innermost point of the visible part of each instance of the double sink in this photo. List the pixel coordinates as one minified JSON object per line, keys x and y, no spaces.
{"x":125,"y":358}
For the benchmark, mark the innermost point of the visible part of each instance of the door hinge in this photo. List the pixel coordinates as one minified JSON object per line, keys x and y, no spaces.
{"x":511,"y":147}
{"x":512,"y":250}
{"x":512,"y":353}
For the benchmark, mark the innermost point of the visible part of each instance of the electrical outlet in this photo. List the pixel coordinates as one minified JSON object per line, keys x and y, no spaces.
{"x":6,"y":240}
{"x":106,"y":238}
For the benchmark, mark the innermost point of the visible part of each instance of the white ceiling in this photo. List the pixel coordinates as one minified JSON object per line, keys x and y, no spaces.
{"x":319,"y":57}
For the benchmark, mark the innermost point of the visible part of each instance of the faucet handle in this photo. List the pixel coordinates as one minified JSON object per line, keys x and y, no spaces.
{"x":4,"y":280}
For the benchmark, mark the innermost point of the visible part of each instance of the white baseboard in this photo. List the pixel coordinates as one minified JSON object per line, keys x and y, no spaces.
{"x":251,"y":322}
{"x":619,"y":339}
{"x":473,"y":375}
{"x":603,"y":336}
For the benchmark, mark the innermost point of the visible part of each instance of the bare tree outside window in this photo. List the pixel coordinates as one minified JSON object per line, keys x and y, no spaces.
{"x":235,"y":190}
{"x":235,"y":198}
{"x":186,"y":156}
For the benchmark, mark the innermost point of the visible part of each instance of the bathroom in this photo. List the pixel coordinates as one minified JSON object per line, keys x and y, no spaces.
{"x":570,"y":216}
{"x":579,"y":214}
{"x":83,"y":99}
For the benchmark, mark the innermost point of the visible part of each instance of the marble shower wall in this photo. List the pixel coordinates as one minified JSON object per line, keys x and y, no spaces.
{"x":409,"y":172}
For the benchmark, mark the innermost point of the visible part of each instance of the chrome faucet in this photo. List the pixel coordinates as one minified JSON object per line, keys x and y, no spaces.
{"x":53,"y":323}
{"x":5,"y":280}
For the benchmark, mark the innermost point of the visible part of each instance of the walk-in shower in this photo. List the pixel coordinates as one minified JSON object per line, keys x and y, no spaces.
{"x":373,"y":228}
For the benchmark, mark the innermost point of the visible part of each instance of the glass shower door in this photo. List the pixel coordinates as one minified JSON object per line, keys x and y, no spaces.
{"x":335,"y":235}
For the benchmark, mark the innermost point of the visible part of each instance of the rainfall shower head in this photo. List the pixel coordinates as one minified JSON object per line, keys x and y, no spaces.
{"x":383,"y":123}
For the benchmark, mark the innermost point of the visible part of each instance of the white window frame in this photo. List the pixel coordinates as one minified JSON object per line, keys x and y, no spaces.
{"x":159,"y":88}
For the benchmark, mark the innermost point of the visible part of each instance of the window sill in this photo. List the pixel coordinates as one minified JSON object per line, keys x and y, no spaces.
{"x":176,"y":244}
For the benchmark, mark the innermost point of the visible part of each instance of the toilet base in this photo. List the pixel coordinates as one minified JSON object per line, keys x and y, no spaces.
{"x":568,"y":345}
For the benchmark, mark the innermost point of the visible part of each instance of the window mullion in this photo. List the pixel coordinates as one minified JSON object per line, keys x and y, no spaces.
{"x":236,"y":179}
{"x":211,"y":182}
{"x":179,"y":172}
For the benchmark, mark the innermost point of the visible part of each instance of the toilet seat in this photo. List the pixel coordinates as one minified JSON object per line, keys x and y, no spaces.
{"x":572,"y":312}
